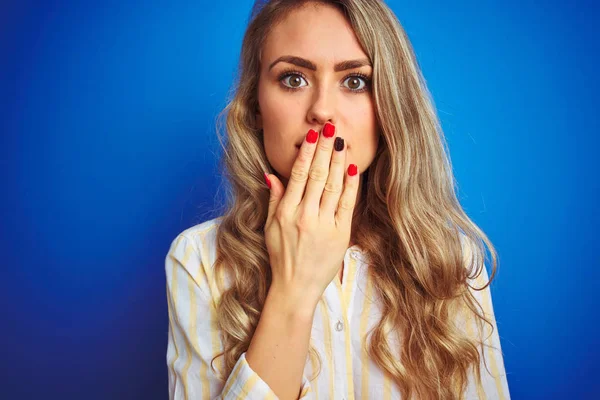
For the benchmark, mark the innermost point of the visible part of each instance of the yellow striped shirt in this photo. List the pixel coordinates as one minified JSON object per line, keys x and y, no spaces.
{"x":344,"y":315}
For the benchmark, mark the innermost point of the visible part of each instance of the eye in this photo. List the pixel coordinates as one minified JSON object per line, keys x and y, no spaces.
{"x":292,"y":80}
{"x":357,"y":83}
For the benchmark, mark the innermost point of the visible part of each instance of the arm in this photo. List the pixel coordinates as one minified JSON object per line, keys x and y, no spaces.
{"x":279,"y":347}
{"x":193,"y":336}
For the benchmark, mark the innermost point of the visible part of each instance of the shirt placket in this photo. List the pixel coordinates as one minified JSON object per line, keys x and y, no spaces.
{"x":340,"y":340}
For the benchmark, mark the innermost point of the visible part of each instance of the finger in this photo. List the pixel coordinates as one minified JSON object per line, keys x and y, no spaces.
{"x":276,"y":191}
{"x":299,"y":175}
{"x":335,"y":181}
{"x":347,"y":202}
{"x":319,"y":170}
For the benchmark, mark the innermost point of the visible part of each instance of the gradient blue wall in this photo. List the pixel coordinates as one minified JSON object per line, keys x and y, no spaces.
{"x":108,"y":151}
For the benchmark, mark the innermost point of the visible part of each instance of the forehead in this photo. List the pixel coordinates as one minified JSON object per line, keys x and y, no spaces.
{"x":315,"y":31}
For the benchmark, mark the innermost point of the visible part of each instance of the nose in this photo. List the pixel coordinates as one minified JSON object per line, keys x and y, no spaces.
{"x":322,"y":108}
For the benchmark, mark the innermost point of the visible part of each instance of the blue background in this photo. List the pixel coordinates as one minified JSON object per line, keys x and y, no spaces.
{"x":108,"y":151}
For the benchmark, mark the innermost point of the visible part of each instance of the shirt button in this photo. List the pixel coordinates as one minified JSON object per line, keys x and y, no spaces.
{"x":339,"y":326}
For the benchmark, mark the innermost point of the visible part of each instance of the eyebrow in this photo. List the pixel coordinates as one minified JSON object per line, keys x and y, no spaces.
{"x":302,"y":62}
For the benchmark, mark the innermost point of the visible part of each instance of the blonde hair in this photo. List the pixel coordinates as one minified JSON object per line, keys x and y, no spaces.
{"x":412,"y":226}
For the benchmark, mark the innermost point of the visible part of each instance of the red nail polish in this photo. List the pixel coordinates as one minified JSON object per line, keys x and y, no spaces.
{"x":268,"y":181}
{"x":328,"y":130}
{"x":352,"y":169}
{"x":312,"y":136}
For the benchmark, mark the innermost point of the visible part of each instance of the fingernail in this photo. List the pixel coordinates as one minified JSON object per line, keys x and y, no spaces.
{"x":338,"y":145}
{"x":352,"y":169}
{"x":328,"y":130}
{"x":312,"y":136}
{"x":268,"y":181}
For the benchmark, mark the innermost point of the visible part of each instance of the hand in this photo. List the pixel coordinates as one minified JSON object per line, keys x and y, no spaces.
{"x":307,"y":232}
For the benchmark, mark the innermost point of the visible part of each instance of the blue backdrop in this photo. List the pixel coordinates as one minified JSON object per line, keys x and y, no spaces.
{"x":108,"y":151}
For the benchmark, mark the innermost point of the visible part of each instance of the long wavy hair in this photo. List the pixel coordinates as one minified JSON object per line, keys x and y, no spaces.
{"x":413,"y":229}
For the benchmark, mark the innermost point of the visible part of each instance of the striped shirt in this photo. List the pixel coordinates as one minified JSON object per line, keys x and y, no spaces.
{"x":344,"y":315}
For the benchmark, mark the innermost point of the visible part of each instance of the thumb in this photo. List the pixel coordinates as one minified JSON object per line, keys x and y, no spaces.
{"x":276,"y":193}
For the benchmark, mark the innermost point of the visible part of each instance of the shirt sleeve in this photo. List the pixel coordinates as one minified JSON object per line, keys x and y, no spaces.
{"x":194,"y":338}
{"x":494,"y":383}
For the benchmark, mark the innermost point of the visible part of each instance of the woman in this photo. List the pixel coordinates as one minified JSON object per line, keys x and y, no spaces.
{"x":353,"y":272}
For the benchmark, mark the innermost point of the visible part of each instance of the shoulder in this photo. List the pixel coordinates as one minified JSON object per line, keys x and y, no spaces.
{"x":201,"y":236}
{"x":194,"y":249}
{"x":473,"y":262}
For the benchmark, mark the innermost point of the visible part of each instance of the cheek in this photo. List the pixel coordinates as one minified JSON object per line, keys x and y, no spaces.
{"x":359,"y":109}
{"x":365,"y":136}
{"x":278,"y":109}
{"x":279,"y":114}
{"x":361,"y":114}
{"x":281,"y":156}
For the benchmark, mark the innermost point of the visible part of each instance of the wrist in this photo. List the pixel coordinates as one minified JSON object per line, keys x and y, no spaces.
{"x":291,"y":303}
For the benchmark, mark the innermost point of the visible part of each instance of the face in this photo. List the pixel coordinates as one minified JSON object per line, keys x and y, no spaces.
{"x":304,"y":92}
